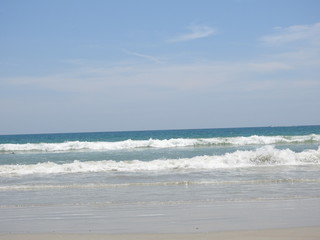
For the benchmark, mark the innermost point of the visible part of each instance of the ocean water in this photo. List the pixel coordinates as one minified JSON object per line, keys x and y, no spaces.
{"x":146,"y":168}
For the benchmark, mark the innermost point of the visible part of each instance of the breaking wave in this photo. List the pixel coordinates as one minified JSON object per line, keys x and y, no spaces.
{"x":264,"y":156}
{"x":156,"y":143}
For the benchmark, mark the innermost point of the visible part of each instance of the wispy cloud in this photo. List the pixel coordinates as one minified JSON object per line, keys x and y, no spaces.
{"x":91,"y":76}
{"x":294,"y":33}
{"x":192,"y":77}
{"x":148,"y":57}
{"x":299,"y":46}
{"x":196,"y":32}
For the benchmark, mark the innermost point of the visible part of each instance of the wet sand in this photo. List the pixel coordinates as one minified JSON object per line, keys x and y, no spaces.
{"x":276,"y":219}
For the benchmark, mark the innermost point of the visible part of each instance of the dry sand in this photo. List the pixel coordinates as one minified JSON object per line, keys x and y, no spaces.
{"x":307,"y":233}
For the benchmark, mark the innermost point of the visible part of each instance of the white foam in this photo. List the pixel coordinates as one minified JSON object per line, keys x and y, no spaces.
{"x":156,"y":143}
{"x":264,"y":156}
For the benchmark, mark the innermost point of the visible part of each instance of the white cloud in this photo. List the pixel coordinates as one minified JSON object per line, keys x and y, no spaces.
{"x":297,"y":46}
{"x":144,"y":77}
{"x":197,"y":31}
{"x":300,"y":67}
{"x":148,"y":57}
{"x":310,"y":33}
{"x":267,"y":67}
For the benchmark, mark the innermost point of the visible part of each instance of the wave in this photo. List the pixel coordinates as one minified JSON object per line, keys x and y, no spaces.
{"x":264,"y":156}
{"x":156,"y":143}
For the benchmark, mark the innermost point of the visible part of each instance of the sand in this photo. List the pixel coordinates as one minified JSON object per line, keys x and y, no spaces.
{"x":285,"y":219}
{"x":308,"y":233}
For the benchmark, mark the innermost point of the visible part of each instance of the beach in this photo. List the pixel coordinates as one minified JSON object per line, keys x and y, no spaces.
{"x":169,"y":120}
{"x":280,"y":219}
{"x":252,"y":183}
{"x":311,"y":233}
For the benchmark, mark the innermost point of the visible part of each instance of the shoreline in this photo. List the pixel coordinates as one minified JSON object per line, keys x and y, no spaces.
{"x":299,"y":233}
{"x":162,"y":220}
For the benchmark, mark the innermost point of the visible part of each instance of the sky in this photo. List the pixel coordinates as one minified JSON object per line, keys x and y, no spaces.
{"x":119,"y":65}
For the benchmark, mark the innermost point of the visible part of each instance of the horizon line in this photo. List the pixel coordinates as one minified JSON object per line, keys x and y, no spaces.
{"x":154,"y":130}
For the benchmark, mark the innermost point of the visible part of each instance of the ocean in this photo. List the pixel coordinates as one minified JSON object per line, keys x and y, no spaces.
{"x":91,"y":177}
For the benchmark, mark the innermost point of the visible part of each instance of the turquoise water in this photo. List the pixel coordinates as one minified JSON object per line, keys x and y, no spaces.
{"x":112,"y":169}
{"x":159,"y":134}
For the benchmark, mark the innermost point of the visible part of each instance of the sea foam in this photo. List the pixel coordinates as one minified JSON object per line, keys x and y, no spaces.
{"x":156,"y":143}
{"x":264,"y":156}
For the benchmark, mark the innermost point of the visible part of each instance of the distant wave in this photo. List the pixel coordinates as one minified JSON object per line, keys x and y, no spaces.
{"x":156,"y":143}
{"x":264,"y":156}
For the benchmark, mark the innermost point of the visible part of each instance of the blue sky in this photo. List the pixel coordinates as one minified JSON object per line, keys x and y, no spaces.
{"x":94,"y":65}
